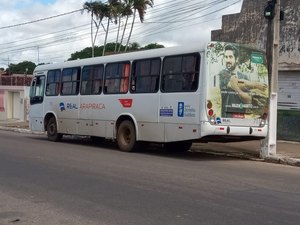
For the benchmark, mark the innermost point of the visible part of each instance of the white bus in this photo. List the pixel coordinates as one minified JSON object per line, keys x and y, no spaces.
{"x":174,"y":96}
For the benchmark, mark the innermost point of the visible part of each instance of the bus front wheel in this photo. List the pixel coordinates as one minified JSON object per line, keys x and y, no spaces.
{"x":52,"y":130}
{"x":126,"y":136}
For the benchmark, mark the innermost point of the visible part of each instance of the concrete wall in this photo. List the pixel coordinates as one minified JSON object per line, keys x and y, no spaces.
{"x":250,"y":27}
{"x":15,"y":102}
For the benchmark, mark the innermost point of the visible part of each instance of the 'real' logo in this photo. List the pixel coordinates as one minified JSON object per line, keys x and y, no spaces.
{"x":67,"y":106}
{"x":62,"y":106}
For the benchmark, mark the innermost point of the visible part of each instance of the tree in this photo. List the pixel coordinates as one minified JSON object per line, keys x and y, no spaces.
{"x":111,"y":10}
{"x":98,"y":9}
{"x":141,"y":7}
{"x":153,"y":46}
{"x":108,"y":13}
{"x":25,"y":67}
{"x":110,"y":47}
{"x":134,"y":46}
{"x":86,"y":52}
{"x":126,"y":11}
{"x":117,"y":8}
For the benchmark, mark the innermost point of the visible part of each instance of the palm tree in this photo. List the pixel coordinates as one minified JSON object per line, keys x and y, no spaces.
{"x":109,"y":13}
{"x":126,"y":11}
{"x":141,"y":7}
{"x":98,"y":9}
{"x":117,"y":10}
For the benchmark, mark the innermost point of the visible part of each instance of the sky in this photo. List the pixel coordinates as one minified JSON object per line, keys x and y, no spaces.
{"x":49,"y":31}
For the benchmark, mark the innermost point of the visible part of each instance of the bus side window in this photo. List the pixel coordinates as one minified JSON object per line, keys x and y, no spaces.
{"x":125,"y":78}
{"x":91,"y":80}
{"x":116,"y":77}
{"x":180,"y":73}
{"x":97,"y":79}
{"x":145,"y":75}
{"x":53,"y":82}
{"x":37,"y":90}
{"x":86,"y":77}
{"x":172,"y":80}
{"x":70,"y":81}
{"x":190,"y":70}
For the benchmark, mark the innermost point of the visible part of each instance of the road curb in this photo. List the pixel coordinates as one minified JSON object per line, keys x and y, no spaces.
{"x":239,"y":155}
{"x":20,"y":130}
{"x":283,"y":160}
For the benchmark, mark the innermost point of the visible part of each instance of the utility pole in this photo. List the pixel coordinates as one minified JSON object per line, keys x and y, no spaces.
{"x":8,"y":64}
{"x":11,"y":82}
{"x":38,"y":54}
{"x":272,"y":13}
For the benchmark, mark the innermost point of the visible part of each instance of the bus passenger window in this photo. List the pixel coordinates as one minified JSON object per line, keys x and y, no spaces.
{"x":97,"y":79}
{"x":180,"y":73}
{"x":116,"y":78}
{"x":70,"y":81}
{"x":145,"y":75}
{"x":86,"y":77}
{"x":125,"y":79}
{"x":91,"y":80}
{"x":53,"y":82}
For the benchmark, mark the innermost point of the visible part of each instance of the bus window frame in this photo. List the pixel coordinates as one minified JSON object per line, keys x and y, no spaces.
{"x":133,"y":77}
{"x":34,"y":98}
{"x":58,"y":87}
{"x":126,"y":62}
{"x":71,"y":81}
{"x":196,"y":73}
{"x":93,"y":80}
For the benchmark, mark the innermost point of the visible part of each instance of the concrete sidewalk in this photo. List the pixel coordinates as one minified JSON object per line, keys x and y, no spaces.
{"x":287,"y":152}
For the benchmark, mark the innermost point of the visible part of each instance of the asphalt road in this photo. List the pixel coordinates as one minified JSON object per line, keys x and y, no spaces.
{"x":78,"y":182}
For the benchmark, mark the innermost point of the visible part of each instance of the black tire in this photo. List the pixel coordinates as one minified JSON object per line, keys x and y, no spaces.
{"x":126,"y":137}
{"x":178,"y":146}
{"x":52,"y":130}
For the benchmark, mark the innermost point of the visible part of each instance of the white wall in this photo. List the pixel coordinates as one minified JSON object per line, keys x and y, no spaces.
{"x":15,"y":103}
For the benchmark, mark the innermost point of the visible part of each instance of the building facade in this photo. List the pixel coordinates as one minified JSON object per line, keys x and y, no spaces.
{"x":14,"y":97}
{"x":250,"y":27}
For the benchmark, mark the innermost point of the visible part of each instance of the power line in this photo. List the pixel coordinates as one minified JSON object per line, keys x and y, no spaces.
{"x":185,"y":13}
{"x":43,"y":35}
{"x":38,"y":20}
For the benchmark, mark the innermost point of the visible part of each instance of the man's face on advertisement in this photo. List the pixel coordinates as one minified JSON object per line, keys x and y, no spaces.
{"x":230,"y":60}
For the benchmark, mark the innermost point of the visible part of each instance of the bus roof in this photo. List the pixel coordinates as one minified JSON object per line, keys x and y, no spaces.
{"x":126,"y":56}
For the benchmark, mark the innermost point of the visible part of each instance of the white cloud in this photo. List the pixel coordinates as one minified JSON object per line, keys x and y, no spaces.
{"x":52,"y":40}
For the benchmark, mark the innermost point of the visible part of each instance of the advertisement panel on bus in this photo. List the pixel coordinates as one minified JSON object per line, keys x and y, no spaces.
{"x":237,"y":83}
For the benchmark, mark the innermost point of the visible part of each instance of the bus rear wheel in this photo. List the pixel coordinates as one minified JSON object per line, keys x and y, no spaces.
{"x":52,"y":130}
{"x":126,"y":137}
{"x":178,"y":146}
